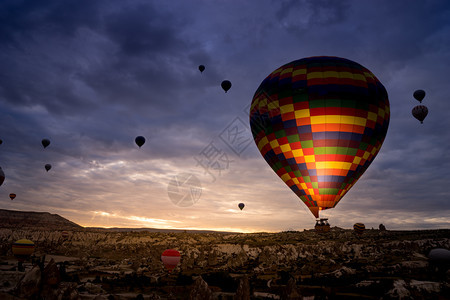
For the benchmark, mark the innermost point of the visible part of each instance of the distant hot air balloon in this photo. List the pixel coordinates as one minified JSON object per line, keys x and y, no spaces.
{"x":170,"y":258}
{"x":226,"y":85}
{"x":65,"y":235}
{"x":45,"y":142}
{"x":48,"y":167}
{"x":419,"y":95}
{"x":22,"y":249}
{"x":12,"y":196}
{"x":140,"y":140}
{"x":319,"y":122}
{"x":201,"y":68}
{"x":420,"y":112}
{"x":241,"y":206}
{"x":359,"y":228}
{"x":1,"y":141}
{"x":2,"y":176}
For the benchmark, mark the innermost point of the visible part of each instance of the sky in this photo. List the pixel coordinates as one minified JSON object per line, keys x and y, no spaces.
{"x":92,"y":75}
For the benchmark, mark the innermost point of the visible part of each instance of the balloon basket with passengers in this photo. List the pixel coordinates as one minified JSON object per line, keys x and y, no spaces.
{"x":319,"y":122}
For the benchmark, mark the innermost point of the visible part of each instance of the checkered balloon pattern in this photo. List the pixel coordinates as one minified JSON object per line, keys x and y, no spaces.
{"x":319,"y":122}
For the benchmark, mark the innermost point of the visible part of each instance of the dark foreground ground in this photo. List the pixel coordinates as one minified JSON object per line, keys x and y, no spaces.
{"x":96,"y":264}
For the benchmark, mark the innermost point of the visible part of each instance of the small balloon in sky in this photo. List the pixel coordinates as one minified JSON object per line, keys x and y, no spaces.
{"x":48,"y":167}
{"x":419,"y":95}
{"x":1,"y":141}
{"x":420,"y":112}
{"x":201,"y":68}
{"x":12,"y":196}
{"x":45,"y":143}
{"x":241,"y":206}
{"x":2,"y":176}
{"x":226,"y":85}
{"x":170,"y":258}
{"x":140,"y":140}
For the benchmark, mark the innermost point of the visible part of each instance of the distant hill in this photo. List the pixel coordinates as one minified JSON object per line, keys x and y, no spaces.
{"x":35,"y":220}
{"x":116,"y":229}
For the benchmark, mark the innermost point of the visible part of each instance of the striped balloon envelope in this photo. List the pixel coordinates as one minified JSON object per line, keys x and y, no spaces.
{"x":22,"y":249}
{"x":170,"y":258}
{"x":359,"y":228}
{"x":319,"y":122}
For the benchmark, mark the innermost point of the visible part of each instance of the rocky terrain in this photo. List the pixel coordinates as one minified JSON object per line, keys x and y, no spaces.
{"x":89,"y":263}
{"x":98,"y":264}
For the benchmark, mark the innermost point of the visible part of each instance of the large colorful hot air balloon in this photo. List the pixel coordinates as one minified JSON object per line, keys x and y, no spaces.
{"x":2,"y":176}
{"x":319,"y":122}
{"x":170,"y":258}
{"x":22,"y":249}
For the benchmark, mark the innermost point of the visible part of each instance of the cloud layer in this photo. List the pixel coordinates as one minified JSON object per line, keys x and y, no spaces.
{"x":93,"y":75}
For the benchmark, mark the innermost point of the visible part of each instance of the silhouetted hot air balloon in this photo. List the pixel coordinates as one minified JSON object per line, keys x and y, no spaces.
{"x":319,"y":122}
{"x":2,"y":176}
{"x":420,"y":112}
{"x":22,"y":249}
{"x":359,"y":228}
{"x":226,"y":85}
{"x":140,"y":140}
{"x":45,"y":142}
{"x":419,"y":95}
{"x":170,"y":259}
{"x":12,"y":196}
{"x":201,"y":68}
{"x":1,"y":141}
{"x":241,"y":206}
{"x":48,"y":167}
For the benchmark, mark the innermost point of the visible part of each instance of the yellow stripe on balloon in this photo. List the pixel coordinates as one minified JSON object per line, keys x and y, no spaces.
{"x":274,"y":144}
{"x":334,"y":74}
{"x":302,"y":113}
{"x":310,"y":158}
{"x":339,"y":165}
{"x":338,"y":119}
{"x":285,"y":177}
{"x":264,"y":141}
{"x":285,"y":148}
{"x":273,"y":105}
{"x":356,"y":160}
{"x":287,"y":70}
{"x":372,"y":116}
{"x":299,"y":72}
{"x":297,"y":152}
{"x":287,"y":108}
